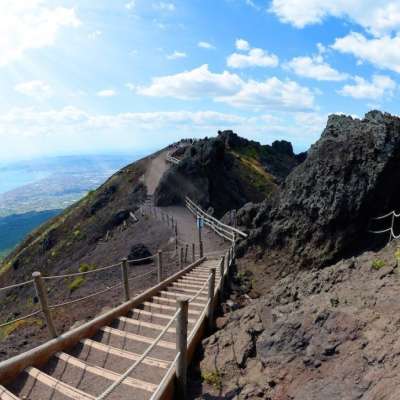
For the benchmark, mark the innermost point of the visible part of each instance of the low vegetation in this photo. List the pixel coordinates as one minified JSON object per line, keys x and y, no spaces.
{"x":6,"y":331}
{"x":80,"y":280}
{"x":212,"y":378}
{"x":378,"y":264}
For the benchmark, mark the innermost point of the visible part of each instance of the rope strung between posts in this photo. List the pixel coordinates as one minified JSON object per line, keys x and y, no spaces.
{"x":393,"y":216}
{"x":126,"y":374}
{"x":16,"y":285}
{"x":100,"y":291}
{"x":20,"y":319}
{"x":203,"y":287}
{"x":74,"y":274}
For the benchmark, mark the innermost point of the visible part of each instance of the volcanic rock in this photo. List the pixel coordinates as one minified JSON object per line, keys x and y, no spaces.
{"x":326,"y":204}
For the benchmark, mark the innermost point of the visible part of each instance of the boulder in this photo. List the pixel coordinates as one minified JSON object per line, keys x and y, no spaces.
{"x":138,"y":251}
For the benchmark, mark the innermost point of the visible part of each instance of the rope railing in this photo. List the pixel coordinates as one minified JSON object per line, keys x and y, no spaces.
{"x":83,"y":273}
{"x":393,"y":215}
{"x":17,"y":285}
{"x":226,"y":231}
{"x":118,"y":285}
{"x":126,"y":374}
{"x":20,"y":319}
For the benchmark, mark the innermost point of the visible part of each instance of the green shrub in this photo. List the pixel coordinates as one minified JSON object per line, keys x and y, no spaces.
{"x":76,"y":283}
{"x":378,"y":264}
{"x":87,"y":267}
{"x":213,"y":378}
{"x":397,"y":255}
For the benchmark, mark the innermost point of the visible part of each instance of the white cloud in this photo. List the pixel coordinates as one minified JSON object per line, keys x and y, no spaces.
{"x":254,"y":58}
{"x":107,"y":93}
{"x":272,"y":94}
{"x":196,"y":83}
{"x":252,"y":4}
{"x":31,"y":24}
{"x":381,"y":86}
{"x":242,"y":44}
{"x":315,"y":68}
{"x":206,"y":45}
{"x":29,"y":132}
{"x":130,"y":5}
{"x":229,"y":88}
{"x":163,"y":6}
{"x":36,"y":89}
{"x":131,"y":86}
{"x":382,"y":52}
{"x":94,"y":35}
{"x":376,"y":16}
{"x":176,"y":55}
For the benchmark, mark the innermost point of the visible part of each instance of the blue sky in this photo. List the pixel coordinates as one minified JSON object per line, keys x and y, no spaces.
{"x":98,"y":76}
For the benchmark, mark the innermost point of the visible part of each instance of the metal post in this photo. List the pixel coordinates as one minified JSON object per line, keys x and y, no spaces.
{"x":159,"y":267}
{"x":193,"y":252}
{"x":181,"y":347}
{"x":186,"y":253}
{"x":44,"y":304}
{"x":124,"y":274}
{"x":211,"y":289}
{"x":181,"y":258}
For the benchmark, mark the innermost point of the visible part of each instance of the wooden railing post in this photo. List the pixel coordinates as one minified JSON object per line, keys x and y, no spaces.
{"x":41,"y":292}
{"x":186,"y":253}
{"x":193,"y":252}
{"x":181,"y":258}
{"x":181,"y":347}
{"x":125,"y":281}
{"x":176,"y":237}
{"x":199,"y":228}
{"x":222,"y":272}
{"x":211,"y":290}
{"x":159,"y":267}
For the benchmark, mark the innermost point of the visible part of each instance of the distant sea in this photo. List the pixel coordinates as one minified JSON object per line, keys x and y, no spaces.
{"x":13,"y":179}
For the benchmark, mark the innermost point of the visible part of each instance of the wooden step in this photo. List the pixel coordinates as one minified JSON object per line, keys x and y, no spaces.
{"x":149,"y":315}
{"x":187,"y":285}
{"x":153,"y":362}
{"x":165,"y":300}
{"x":137,"y":338}
{"x":193,"y":279}
{"x":6,"y":395}
{"x":58,"y":386}
{"x":150,"y":325}
{"x":106,"y":374}
{"x":168,"y":308}
{"x":187,"y":291}
{"x":180,"y":294}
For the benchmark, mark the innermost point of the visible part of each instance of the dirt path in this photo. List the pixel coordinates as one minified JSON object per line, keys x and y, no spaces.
{"x":155,"y":171}
{"x":187,"y":230}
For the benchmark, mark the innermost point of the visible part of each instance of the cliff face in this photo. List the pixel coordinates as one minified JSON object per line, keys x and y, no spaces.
{"x":326,"y":203}
{"x":227,"y":172}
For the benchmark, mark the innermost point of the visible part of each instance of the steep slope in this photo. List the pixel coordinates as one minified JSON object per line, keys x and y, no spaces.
{"x":227,"y":172}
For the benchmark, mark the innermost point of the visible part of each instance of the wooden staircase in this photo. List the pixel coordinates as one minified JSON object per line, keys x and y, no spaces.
{"x":86,"y":369}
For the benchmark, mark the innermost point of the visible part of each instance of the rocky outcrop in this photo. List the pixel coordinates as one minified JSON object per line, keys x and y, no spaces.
{"x":324,"y":208}
{"x":227,"y":172}
{"x":327,"y":334}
